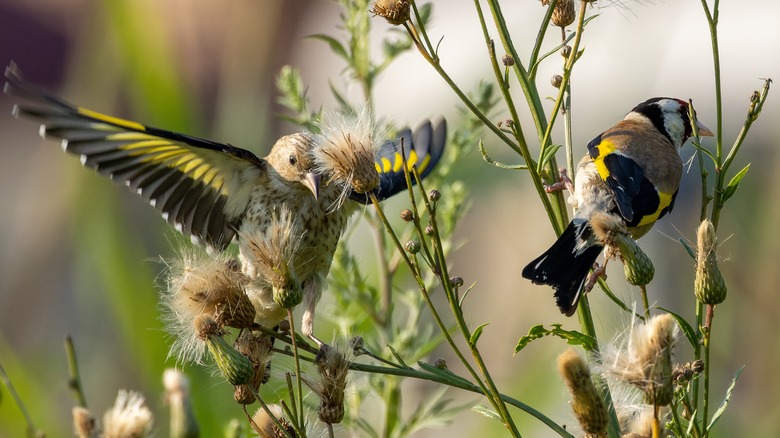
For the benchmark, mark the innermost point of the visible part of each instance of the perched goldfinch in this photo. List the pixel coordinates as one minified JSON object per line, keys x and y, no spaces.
{"x":217,"y":193}
{"x":632,"y":170}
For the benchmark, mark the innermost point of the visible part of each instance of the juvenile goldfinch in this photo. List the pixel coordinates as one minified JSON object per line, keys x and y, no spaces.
{"x":217,"y":193}
{"x":632,"y":170}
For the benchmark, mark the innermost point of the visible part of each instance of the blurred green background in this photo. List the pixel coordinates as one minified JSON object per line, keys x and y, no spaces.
{"x":80,"y":255}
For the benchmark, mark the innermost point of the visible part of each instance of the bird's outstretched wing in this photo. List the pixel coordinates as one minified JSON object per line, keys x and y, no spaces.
{"x":423,"y":149}
{"x":199,"y":185}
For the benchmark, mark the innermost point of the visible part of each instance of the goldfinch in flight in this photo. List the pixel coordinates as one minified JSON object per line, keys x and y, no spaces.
{"x":632,"y":170}
{"x":217,"y":193}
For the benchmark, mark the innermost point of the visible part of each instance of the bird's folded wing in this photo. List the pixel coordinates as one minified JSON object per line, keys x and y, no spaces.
{"x":202,"y":187}
{"x":422,"y":149}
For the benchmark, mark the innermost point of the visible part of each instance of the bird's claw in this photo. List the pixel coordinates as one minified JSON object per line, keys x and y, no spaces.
{"x":564,"y":183}
{"x":598,"y":272}
{"x":322,"y":353}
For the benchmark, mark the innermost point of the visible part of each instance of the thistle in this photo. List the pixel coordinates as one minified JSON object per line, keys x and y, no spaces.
{"x":128,"y":418}
{"x":586,"y":403}
{"x":710,"y":288}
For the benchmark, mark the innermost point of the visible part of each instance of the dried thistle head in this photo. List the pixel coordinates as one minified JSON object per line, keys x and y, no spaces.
{"x":564,"y":13}
{"x":203,"y":284}
{"x":84,"y":423}
{"x":258,"y":349}
{"x":645,"y":359}
{"x":129,"y":417}
{"x":266,"y":427}
{"x":588,"y":407}
{"x":345,"y":151}
{"x":332,"y":368}
{"x":394,"y":11}
{"x":272,"y":254}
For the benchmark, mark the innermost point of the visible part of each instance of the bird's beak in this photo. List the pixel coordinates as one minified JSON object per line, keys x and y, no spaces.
{"x":703,"y":130}
{"x":312,"y":182}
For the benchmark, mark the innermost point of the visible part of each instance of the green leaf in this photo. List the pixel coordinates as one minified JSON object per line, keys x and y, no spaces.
{"x":549,"y":152}
{"x":722,"y":408}
{"x":425,"y":13}
{"x":688,"y":249}
{"x":335,"y":45}
{"x":572,"y":337}
{"x":690,"y":333}
{"x":487,"y":412}
{"x":733,"y":184}
{"x":476,"y":334}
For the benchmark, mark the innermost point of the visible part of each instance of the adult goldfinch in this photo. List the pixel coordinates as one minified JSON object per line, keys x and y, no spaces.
{"x":633,"y":171}
{"x":217,"y":193}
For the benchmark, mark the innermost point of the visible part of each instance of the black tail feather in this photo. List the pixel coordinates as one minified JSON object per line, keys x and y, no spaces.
{"x":564,"y":266}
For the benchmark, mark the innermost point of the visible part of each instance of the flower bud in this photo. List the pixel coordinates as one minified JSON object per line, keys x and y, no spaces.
{"x":611,"y":231}
{"x":429,"y":230}
{"x":586,"y":403}
{"x":556,"y":81}
{"x":412,"y":247}
{"x":235,"y":367}
{"x":710,"y":288}
{"x":440,"y":364}
{"x":566,"y":51}
{"x":289,"y":296}
{"x":508,"y":60}
{"x":407,"y":215}
{"x":456,"y":281}
{"x":434,"y":195}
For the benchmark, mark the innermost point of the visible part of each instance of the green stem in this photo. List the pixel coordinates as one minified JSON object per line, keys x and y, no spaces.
{"x":452,"y":299}
{"x":706,"y":346}
{"x":460,"y":383}
{"x":31,"y":429}
{"x":74,"y":380}
{"x":300,"y":421}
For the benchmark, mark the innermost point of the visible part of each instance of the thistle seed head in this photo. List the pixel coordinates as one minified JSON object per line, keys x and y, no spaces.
{"x":198,"y":284}
{"x":129,"y":417}
{"x":588,"y":407}
{"x":344,"y":152}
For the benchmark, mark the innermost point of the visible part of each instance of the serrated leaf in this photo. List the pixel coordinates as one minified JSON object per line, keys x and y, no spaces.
{"x":493,"y":415}
{"x":724,"y":404}
{"x":734,"y":183}
{"x":335,"y":45}
{"x":690,"y":333}
{"x":476,"y":334}
{"x":572,"y":337}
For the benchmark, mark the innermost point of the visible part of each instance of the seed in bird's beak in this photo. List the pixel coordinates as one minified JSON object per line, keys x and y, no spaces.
{"x":703,"y":130}
{"x":312,"y":182}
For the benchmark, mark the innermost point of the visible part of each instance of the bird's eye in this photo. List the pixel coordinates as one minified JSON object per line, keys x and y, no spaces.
{"x":292,"y":160}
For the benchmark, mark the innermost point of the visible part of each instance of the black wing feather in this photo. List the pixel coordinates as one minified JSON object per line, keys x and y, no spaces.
{"x":423,"y":148}
{"x":188,"y":178}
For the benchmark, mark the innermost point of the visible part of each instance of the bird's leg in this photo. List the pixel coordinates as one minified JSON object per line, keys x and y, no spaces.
{"x":311,"y":295}
{"x":564,"y":182}
{"x":598,"y":272}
